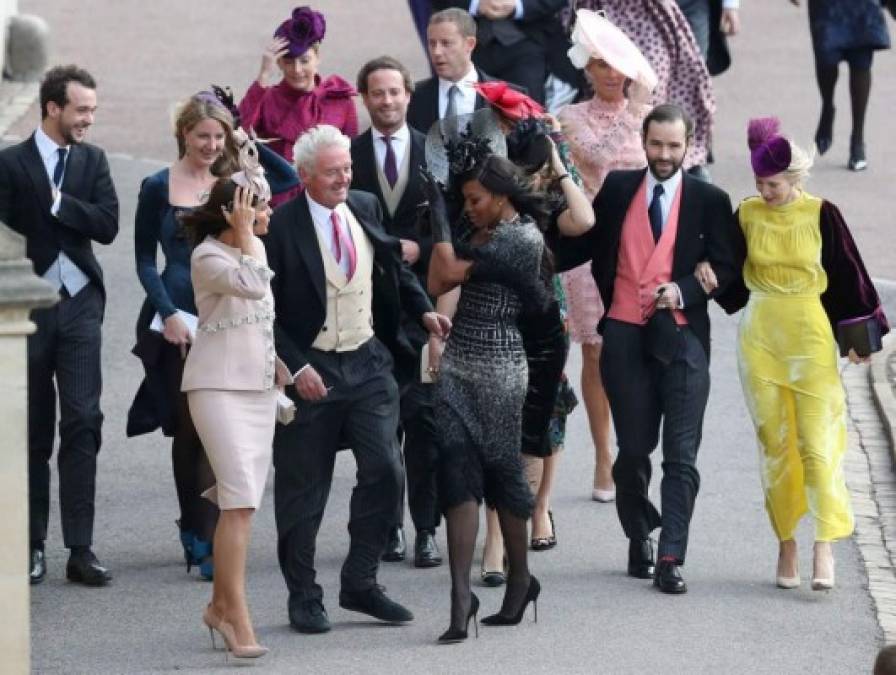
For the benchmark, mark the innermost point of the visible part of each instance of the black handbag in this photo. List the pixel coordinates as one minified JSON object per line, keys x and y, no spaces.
{"x":861,"y":335}
{"x":663,"y":339}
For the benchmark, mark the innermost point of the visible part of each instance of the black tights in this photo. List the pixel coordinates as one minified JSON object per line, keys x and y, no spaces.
{"x":192,"y":472}
{"x":859,"y":91}
{"x":462,"y":524}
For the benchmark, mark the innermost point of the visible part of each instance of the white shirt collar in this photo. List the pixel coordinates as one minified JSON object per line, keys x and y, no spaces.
{"x":46,"y":146}
{"x":470,"y":78}
{"x":670,"y":185}
{"x":401,"y":135}
{"x":320,"y":214}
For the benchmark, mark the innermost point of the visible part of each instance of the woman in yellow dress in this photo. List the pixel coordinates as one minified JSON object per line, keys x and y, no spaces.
{"x":802,"y":276}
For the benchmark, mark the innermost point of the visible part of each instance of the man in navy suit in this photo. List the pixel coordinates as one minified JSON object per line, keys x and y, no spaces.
{"x":386,"y":161}
{"x":56,"y":191}
{"x":451,"y":38}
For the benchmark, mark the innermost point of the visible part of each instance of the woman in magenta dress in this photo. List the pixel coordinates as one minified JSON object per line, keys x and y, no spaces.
{"x":604,"y":134}
{"x":302,"y":99}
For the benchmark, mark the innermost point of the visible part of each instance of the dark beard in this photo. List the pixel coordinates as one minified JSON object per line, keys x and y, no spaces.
{"x":675,"y":167}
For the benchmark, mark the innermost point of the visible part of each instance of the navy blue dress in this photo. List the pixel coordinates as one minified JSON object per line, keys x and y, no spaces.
{"x":847,"y":30}
{"x":157,"y":225}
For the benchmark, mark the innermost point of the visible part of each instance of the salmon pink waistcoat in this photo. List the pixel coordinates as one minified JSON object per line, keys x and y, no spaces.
{"x":642,"y":264}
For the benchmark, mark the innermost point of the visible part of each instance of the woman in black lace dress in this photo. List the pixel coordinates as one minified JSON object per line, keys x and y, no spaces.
{"x":500,"y":263}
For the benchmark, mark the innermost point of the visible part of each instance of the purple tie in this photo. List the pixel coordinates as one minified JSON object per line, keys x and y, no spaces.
{"x":390,"y":166}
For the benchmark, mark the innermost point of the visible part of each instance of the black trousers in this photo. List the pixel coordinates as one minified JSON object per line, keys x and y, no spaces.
{"x":523,"y":64}
{"x":361,"y":413}
{"x":420,"y":459}
{"x":64,"y":358}
{"x":643,"y":392}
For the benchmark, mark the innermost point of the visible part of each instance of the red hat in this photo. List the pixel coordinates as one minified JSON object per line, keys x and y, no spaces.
{"x":512,"y":104}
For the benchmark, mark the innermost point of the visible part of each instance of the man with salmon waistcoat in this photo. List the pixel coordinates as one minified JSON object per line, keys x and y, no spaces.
{"x":653,"y":228}
{"x":339,"y":290}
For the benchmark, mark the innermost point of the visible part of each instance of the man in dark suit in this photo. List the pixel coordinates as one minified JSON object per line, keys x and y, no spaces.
{"x":653,"y":228}
{"x":339,"y":290}
{"x":512,"y":38}
{"x":386,"y":161}
{"x":451,"y":38}
{"x":56,"y":191}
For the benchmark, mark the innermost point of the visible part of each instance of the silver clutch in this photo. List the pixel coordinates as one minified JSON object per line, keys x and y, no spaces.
{"x":286,"y":409}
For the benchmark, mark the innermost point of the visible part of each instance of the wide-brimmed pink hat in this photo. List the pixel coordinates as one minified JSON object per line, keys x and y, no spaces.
{"x":595,"y":37}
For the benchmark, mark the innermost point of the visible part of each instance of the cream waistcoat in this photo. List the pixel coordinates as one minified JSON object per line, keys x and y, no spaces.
{"x":349,"y":322}
{"x":393,"y":195}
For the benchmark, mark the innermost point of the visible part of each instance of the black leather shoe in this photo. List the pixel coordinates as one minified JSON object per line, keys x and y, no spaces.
{"x":375,"y":603}
{"x":426,"y":551}
{"x":38,"y":566}
{"x":84,"y":568}
{"x":668,"y":578}
{"x":640,"y":559}
{"x":309,"y":616}
{"x":396,"y":548}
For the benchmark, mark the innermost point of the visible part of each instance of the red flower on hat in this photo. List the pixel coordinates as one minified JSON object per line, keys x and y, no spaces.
{"x":511,"y":103}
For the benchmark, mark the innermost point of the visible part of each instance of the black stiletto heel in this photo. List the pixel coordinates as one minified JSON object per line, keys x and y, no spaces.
{"x":453,"y":635}
{"x":531,"y":596}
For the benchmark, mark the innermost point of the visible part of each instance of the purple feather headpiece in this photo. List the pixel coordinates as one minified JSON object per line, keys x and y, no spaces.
{"x":305,"y":28}
{"x":769,"y":151}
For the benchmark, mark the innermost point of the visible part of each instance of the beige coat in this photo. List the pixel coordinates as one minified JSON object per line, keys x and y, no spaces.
{"x":233,"y":348}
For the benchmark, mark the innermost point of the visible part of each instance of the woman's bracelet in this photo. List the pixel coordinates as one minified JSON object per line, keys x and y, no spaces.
{"x":562,"y":176}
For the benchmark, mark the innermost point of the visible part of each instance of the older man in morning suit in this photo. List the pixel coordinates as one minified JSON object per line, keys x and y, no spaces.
{"x":386,"y":161}
{"x":339,"y":290}
{"x":56,"y":191}
{"x":653,"y":228}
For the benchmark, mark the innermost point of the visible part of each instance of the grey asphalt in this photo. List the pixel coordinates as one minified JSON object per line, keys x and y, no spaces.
{"x":592,"y":618}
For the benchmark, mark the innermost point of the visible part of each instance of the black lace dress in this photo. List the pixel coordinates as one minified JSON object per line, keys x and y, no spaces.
{"x":484,"y":375}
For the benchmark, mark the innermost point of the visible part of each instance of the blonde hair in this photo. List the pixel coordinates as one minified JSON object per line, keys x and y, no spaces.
{"x":197,"y":109}
{"x":800,"y":164}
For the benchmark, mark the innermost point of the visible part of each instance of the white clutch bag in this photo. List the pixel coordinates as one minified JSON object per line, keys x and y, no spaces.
{"x":426,"y":375}
{"x":286,"y":409}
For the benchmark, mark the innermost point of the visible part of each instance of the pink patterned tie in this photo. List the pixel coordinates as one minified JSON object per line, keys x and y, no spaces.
{"x":340,"y":240}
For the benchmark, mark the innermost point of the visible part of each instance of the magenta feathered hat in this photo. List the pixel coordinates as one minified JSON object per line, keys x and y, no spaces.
{"x":304,"y":28}
{"x":769,"y":151}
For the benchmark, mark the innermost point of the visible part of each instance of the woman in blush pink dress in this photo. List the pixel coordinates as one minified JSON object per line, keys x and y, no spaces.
{"x":603,"y":134}
{"x":662,"y":33}
{"x":302,"y":99}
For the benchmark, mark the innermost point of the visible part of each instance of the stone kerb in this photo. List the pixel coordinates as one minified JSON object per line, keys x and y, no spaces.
{"x":883,"y":388}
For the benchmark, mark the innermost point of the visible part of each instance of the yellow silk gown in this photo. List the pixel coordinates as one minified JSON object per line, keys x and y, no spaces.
{"x":789,"y":369}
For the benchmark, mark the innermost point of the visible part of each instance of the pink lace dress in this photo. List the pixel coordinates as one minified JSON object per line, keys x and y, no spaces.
{"x":663,"y":35}
{"x":602,"y":137}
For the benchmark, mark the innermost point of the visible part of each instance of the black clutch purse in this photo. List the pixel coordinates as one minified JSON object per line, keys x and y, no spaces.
{"x":861,"y":334}
{"x":662,"y":336}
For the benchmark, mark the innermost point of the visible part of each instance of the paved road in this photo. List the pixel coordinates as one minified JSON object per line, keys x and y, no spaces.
{"x":592,"y":618}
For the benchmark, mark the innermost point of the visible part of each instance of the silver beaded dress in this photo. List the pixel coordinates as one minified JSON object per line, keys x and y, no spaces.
{"x":482,"y":384}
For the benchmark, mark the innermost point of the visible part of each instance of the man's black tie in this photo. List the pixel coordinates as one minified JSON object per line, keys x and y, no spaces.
{"x":60,"y":167}
{"x":655,"y":212}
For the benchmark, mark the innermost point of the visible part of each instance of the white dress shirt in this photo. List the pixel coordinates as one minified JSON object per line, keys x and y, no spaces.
{"x":670,"y":187}
{"x":320,"y":215}
{"x":517,"y":12}
{"x":466,"y":96}
{"x":63,"y":272}
{"x":400,"y":144}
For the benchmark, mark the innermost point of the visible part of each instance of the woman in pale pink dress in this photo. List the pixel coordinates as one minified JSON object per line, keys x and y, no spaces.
{"x":604,"y":134}
{"x":662,"y":34}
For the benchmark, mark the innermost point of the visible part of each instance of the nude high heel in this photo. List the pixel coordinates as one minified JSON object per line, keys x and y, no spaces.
{"x":226,"y":631}
{"x":823,"y":568}
{"x":787,"y":582}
